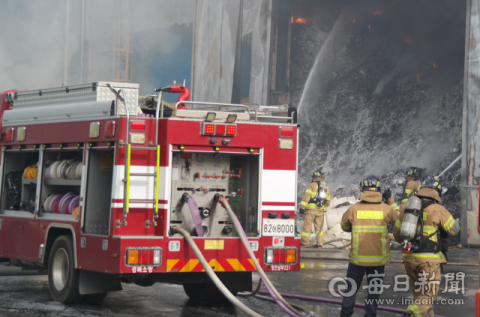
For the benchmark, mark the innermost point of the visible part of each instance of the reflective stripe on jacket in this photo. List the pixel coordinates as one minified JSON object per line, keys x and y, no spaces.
{"x":393,"y":204}
{"x":367,"y":221}
{"x":435,"y":217}
{"x":411,"y":189}
{"x":311,"y":193}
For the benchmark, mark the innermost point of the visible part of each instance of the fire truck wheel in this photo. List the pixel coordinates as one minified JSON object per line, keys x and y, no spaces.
{"x":63,"y":278}
{"x":204,"y":292}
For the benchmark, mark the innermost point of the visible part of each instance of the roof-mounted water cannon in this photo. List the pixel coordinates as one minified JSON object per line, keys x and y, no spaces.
{"x":178,"y":89}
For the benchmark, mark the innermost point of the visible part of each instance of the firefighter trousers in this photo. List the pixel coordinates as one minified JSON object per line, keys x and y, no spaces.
{"x":356,"y":273}
{"x":316,"y":217}
{"x":425,"y":277}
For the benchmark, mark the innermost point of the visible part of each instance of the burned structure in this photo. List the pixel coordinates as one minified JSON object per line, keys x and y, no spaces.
{"x":379,"y":87}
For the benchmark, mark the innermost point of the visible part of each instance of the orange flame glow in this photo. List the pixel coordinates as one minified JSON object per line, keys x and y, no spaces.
{"x":299,"y":20}
{"x":377,"y":13}
{"x":417,"y":78}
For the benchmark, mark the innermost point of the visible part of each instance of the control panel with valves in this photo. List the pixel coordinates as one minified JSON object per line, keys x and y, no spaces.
{"x":202,"y":176}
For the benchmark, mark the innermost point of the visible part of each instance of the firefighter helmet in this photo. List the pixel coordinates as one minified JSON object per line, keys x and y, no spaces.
{"x":431,"y":182}
{"x":318,"y":173}
{"x":371,"y":183}
{"x":413,"y":172}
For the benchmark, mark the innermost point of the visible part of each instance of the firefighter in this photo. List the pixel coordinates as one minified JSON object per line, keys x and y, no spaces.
{"x":424,"y":262}
{"x":412,"y":176}
{"x":367,"y":220}
{"x":315,"y":206}
{"x":387,"y":198}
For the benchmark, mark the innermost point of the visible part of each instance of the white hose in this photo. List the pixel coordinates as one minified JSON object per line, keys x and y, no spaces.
{"x":222,"y":288}
{"x":253,"y":257}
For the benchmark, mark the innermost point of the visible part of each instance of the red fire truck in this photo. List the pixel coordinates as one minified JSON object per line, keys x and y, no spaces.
{"x":95,"y":179}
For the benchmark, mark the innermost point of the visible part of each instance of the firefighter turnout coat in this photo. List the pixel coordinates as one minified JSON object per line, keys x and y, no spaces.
{"x":367,"y":221}
{"x":421,"y":266}
{"x":411,"y":189}
{"x":314,"y":214}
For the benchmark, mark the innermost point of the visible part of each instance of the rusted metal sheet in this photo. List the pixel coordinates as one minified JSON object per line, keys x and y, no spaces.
{"x":471,"y":125}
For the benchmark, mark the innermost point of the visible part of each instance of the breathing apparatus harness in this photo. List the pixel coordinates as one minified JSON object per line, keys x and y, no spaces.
{"x":413,"y":228}
{"x":321,"y":196}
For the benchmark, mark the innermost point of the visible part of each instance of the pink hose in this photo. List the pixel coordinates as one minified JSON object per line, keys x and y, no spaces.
{"x":336,"y":301}
{"x":270,"y":292}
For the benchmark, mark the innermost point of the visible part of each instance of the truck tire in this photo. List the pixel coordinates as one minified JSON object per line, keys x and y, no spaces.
{"x":63,"y":278}
{"x":205,"y":292}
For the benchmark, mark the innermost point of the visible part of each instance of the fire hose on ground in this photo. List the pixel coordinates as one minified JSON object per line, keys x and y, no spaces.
{"x":276,"y":296}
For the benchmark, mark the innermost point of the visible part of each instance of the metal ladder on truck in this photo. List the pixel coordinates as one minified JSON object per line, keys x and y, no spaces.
{"x":156,"y":175}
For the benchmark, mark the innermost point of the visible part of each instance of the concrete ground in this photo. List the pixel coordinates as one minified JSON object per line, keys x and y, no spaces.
{"x":24,"y":293}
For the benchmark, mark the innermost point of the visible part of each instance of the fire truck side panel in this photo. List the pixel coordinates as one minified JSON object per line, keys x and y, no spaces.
{"x":65,"y":132}
{"x":21,"y":237}
{"x":94,"y":255}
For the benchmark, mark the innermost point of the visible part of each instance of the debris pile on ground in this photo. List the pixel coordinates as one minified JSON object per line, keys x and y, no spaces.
{"x":376,"y":94}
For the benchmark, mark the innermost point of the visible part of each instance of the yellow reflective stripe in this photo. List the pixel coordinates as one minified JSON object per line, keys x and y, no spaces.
{"x":404,"y":200}
{"x":394,"y":206}
{"x":415,"y":310}
{"x":449,"y":224}
{"x":345,"y":228}
{"x":329,"y":197}
{"x":370,"y":259}
{"x":321,"y":233}
{"x":305,"y":234}
{"x":429,"y":230}
{"x":425,"y":255}
{"x":384,"y":242}
{"x":310,"y":192}
{"x":303,"y":203}
{"x":408,"y":191}
{"x":314,"y":206}
{"x":369,"y":214}
{"x":372,"y":229}
{"x":355,"y":242}
{"x":424,"y":216}
{"x":398,"y":224}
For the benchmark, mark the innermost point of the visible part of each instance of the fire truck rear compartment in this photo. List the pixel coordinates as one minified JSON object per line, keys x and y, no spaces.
{"x":17,"y":192}
{"x":199,"y":177}
{"x":98,"y":192}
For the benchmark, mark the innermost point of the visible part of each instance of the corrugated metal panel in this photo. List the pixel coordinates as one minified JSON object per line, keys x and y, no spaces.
{"x":471,"y":124}
{"x":215,"y":37}
{"x":216,"y":32}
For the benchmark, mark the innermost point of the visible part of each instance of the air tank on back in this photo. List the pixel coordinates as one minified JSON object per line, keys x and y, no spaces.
{"x":322,"y":193}
{"x":410,"y":222}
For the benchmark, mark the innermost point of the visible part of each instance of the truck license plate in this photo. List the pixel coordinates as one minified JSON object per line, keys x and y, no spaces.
{"x":278,"y":227}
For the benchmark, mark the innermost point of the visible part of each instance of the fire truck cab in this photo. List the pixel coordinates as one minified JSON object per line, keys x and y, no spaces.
{"x":93,"y":185}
